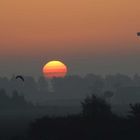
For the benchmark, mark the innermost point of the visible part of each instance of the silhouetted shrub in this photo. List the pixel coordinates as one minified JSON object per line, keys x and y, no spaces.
{"x":134,"y":113}
{"x":95,"y":107}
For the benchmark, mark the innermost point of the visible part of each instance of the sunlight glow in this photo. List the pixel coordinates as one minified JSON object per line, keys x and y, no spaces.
{"x":54,"y":69}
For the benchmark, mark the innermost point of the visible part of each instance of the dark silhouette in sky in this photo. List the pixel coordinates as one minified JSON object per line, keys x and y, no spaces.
{"x":138,"y":33}
{"x":20,"y":77}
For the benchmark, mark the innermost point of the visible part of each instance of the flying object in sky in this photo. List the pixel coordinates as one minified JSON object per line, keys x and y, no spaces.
{"x":20,"y":77}
{"x":138,"y":33}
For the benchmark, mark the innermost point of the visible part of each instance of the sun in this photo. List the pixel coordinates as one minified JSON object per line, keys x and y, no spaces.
{"x":55,"y":69}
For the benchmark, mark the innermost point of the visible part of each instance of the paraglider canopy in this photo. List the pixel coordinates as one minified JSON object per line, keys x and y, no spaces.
{"x":20,"y":77}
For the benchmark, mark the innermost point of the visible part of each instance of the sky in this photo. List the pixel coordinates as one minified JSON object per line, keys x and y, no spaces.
{"x":89,"y":36}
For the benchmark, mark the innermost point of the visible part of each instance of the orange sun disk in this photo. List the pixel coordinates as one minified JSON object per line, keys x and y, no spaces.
{"x":55,"y":69}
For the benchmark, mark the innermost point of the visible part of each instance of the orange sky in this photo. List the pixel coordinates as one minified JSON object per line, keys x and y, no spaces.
{"x":30,"y":22}
{"x":64,"y":28}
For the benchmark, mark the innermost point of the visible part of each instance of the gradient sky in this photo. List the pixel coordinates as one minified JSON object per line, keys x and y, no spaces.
{"x":96,"y":36}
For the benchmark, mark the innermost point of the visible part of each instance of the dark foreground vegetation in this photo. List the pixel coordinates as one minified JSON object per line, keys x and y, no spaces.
{"x":95,"y":122}
{"x":24,"y":111}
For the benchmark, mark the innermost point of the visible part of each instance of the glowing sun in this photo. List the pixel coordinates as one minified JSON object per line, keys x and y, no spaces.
{"x":54,"y":69}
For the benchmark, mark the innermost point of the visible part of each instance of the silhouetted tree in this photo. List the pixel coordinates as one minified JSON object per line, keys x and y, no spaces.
{"x":134,"y":113}
{"x":95,"y":107}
